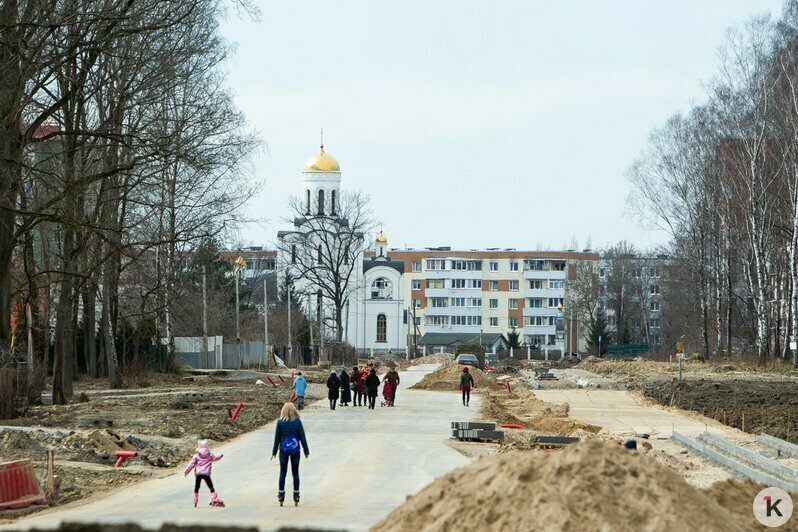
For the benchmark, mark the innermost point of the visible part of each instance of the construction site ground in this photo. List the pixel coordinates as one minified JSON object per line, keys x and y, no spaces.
{"x":161,"y":421}
{"x":364,"y":464}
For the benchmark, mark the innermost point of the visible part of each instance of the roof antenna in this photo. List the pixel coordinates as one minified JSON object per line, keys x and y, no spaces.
{"x":322,"y":139}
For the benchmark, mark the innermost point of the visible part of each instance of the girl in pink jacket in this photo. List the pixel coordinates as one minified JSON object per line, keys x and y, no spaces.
{"x":201,"y":464}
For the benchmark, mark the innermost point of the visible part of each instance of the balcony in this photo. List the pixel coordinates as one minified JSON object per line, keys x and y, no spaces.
{"x":544,"y":274}
{"x":544,"y":293}
{"x":540,"y":311}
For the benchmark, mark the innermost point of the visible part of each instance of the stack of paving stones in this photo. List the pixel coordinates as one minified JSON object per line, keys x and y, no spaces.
{"x":543,"y":374}
{"x":476,"y":431}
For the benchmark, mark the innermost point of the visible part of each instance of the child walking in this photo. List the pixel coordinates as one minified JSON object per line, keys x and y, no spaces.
{"x":201,"y":464}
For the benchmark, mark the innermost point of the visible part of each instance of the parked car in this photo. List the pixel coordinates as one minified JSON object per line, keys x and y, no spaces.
{"x":467,"y":360}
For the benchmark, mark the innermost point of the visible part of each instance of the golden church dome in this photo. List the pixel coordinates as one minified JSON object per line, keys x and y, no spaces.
{"x":381,"y":239}
{"x":321,"y":162}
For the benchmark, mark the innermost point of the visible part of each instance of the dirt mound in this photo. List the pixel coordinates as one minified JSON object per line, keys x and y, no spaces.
{"x":522,"y":408}
{"x":436,"y":358}
{"x":561,"y":426}
{"x":589,"y":486}
{"x":447,"y":378}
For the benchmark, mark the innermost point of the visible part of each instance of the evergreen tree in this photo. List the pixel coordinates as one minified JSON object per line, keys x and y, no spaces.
{"x":598,"y":329}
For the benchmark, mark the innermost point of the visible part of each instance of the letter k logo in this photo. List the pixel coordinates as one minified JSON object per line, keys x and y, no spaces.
{"x":772,"y":507}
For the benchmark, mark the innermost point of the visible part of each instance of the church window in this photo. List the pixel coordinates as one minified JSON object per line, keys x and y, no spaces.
{"x":382,"y":329}
{"x":293,"y":254}
{"x":321,"y":201}
{"x":319,"y":258}
{"x":307,"y":206}
{"x":332,"y":202}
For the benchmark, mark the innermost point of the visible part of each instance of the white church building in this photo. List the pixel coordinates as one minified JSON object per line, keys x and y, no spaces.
{"x":375,"y":318}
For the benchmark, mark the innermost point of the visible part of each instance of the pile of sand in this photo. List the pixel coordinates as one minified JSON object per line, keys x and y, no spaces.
{"x":436,"y":358}
{"x":447,"y":378}
{"x":588,"y":486}
{"x":522,"y":408}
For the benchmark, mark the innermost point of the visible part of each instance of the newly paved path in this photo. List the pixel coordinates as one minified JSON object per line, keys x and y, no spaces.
{"x":363,"y":463}
{"x":621,"y":413}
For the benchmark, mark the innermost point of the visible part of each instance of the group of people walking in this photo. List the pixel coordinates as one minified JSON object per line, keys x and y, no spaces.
{"x":361,"y":386}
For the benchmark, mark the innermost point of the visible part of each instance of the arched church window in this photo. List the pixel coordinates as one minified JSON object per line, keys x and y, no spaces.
{"x":307,"y":206}
{"x":318,"y":257}
{"x":319,"y":307}
{"x":321,"y":201}
{"x":382,"y":329}
{"x":293,"y":253}
{"x":332,"y":202}
{"x":381,"y":289}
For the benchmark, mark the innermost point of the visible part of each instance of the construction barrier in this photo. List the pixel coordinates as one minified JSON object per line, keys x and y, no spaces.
{"x":233,"y":414}
{"x":121,"y":456}
{"x":19,"y":486}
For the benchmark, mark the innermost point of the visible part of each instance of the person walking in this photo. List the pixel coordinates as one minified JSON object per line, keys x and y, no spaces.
{"x":299,"y":386}
{"x":334,"y":389}
{"x":356,"y":380}
{"x":201,"y":463}
{"x":372,"y":385}
{"x":392,"y":378}
{"x":346,"y":393}
{"x":466,"y":383}
{"x":289,"y":439}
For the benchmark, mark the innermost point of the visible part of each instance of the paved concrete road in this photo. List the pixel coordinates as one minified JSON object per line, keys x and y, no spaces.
{"x":363,"y":463}
{"x":621,"y":414}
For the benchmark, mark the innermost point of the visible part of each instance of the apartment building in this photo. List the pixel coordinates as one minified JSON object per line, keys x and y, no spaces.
{"x":479,"y":296}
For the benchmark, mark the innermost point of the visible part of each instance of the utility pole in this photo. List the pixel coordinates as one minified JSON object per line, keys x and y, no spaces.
{"x":266,"y":322}
{"x":205,"y":316}
{"x":290,"y":338}
{"x":239,"y":260}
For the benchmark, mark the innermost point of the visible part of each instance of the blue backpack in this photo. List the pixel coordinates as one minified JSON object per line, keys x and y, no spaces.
{"x":289,"y":445}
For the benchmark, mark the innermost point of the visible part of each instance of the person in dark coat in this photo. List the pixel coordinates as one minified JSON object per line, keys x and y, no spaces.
{"x":372,"y":384}
{"x":346,"y":393}
{"x":357,"y":385}
{"x":334,"y":387}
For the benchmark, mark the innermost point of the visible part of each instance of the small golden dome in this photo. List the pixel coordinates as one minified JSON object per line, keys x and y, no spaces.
{"x":381,"y":238}
{"x":321,"y":162}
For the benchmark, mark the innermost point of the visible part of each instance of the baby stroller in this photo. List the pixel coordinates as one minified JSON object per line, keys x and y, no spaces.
{"x":386,"y":395}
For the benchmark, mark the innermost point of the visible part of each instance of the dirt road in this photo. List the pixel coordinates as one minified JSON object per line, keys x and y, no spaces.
{"x":621,"y":413}
{"x":363,"y":464}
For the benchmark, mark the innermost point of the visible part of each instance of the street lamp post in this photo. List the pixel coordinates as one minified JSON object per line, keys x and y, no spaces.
{"x":240,"y":263}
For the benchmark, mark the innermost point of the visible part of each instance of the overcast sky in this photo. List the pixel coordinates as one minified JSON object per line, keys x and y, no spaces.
{"x":472,"y":123}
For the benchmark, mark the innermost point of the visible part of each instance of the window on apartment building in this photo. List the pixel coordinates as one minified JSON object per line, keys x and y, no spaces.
{"x":558,"y":265}
{"x":555,"y":302}
{"x":493,"y":285}
{"x":475,"y":302}
{"x":417,"y":284}
{"x":458,"y":283}
{"x":535,"y":284}
{"x":493,"y":303}
{"x":437,"y":320}
{"x":458,"y":301}
{"x":475,"y":283}
{"x":654,"y":290}
{"x":654,"y":323}
{"x":416,"y":303}
{"x":436,"y":283}
{"x":416,"y":266}
{"x":458,"y":265}
{"x":533,"y":265}
{"x":513,"y":322}
{"x":536,"y":321}
{"x":474,"y":320}
{"x":513,"y":266}
{"x":513,"y":286}
{"x":417,"y":320}
{"x":655,"y":306}
{"x":474,"y":265}
{"x":493,"y":322}
{"x":536,"y":339}
{"x":494,"y":266}
{"x":436,"y":264}
{"x":654,"y":272}
{"x":534,"y":303}
{"x":438,"y":302}
{"x":458,"y":320}
{"x":555,"y":284}
{"x":512,"y":303}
